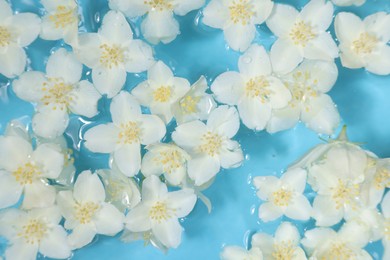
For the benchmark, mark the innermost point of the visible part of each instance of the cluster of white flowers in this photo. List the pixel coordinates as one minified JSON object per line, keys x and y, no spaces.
{"x":48,"y":208}
{"x":349,"y":183}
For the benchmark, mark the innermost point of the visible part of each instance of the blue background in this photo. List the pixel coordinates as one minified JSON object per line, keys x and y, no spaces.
{"x":363,"y":100}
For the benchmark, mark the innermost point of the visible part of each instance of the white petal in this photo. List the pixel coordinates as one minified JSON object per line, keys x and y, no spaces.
{"x":234,"y":253}
{"x":10,"y":190}
{"x":325,"y":212}
{"x":263,"y":241}
{"x":124,"y":108}
{"x":379,"y":24}
{"x":5,"y":10}
{"x":280,"y":95}
{"x":55,"y":244}
{"x":81,"y":236}
{"x":131,"y":8}
{"x":128,"y":159}
{"x":231,"y":157}
{"x":269,"y":212}
{"x":38,"y":195}
{"x":183,"y":201}
{"x":354,"y":233}
{"x":88,"y":49}
{"x":109,"y":81}
{"x":16,"y":148}
{"x":115,"y":28}
{"x":50,"y":32}
{"x":177,"y":176}
{"x":324,"y":72}
{"x":282,"y":119}
{"x":8,"y":218}
{"x":188,"y":135}
{"x":322,"y":47}
{"x":88,"y":188}
{"x":228,"y":87}
{"x":137,"y":220}
{"x":262,"y":10}
{"x":287,"y":232}
{"x":316,"y":237}
{"x":215,"y":14}
{"x":66,"y":203}
{"x":63,"y":64}
{"x":153,"y":189}
{"x":380,"y":63}
{"x":139,"y":57}
{"x":318,"y":13}
{"x":203,"y":168}
{"x":102,"y":138}
{"x":50,"y":159}
{"x":152,"y":129}
{"x":160,"y":73}
{"x":144,"y":93}
{"x":282,"y":19}
{"x":254,"y":114}
{"x":348,"y":26}
{"x":28,"y":26}
{"x":295,"y":179}
{"x":160,"y":26}
{"x":255,"y":62}
{"x":150,"y":165}
{"x":85,"y":99}
{"x":239,"y":37}
{"x":50,"y":123}
{"x":266,"y":185}
{"x":13,"y":61}
{"x":168,"y":232}
{"x":224,"y":120}
{"x":52,"y":215}
{"x":385,"y":205}
{"x":108,"y":220}
{"x":285,"y":56}
{"x":185,"y":6}
{"x":29,"y":86}
{"x":299,"y":209}
{"x":21,"y":251}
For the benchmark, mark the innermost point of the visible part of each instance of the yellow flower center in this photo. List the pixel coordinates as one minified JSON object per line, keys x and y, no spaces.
{"x":5,"y":37}
{"x":345,"y":193}
{"x":365,"y":44}
{"x":160,"y":212}
{"x":57,"y":93}
{"x":241,"y":11}
{"x":339,"y":251}
{"x":282,"y":197}
{"x":130,"y":133}
{"x":382,"y":179}
{"x":302,"y":33}
{"x":283,"y":251}
{"x":211,"y":143}
{"x":27,"y":173}
{"x":302,"y":87}
{"x":162,"y":94}
{"x":258,"y":88}
{"x":63,"y":16}
{"x":34,"y":231}
{"x":171,"y":160}
{"x":189,"y":104}
{"x":112,"y":56}
{"x":159,"y":5}
{"x":85,"y":211}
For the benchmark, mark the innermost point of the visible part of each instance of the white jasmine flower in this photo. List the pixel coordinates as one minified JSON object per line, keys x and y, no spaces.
{"x":161,"y":90}
{"x":325,"y":243}
{"x":111,"y":52}
{"x":121,"y":191}
{"x":195,"y":104}
{"x":348,"y":2}
{"x":285,"y":244}
{"x":61,"y":21}
{"x":237,"y":19}
{"x":158,"y":12}
{"x":283,"y":196}
{"x":85,"y":211}
{"x":168,"y":159}
{"x":308,"y":84}
{"x":57,"y":93}
{"x":25,"y":171}
{"x":16,"y":31}
{"x":159,"y":211}
{"x":254,"y":89}
{"x":385,"y":206}
{"x":239,"y":253}
{"x":30,"y":232}
{"x":210,"y":145}
{"x":123,"y":137}
{"x":301,"y":35}
{"x":364,"y":44}
{"x":337,"y":181}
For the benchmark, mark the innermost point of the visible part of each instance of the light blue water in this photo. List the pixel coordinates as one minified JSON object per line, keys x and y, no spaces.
{"x":363,"y":100}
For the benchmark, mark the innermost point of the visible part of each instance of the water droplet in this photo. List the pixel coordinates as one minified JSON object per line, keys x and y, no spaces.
{"x":97,"y":17}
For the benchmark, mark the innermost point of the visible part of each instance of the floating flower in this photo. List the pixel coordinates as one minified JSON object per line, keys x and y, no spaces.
{"x":159,"y":211}
{"x":237,"y":19}
{"x":386,"y":213}
{"x":325,"y":243}
{"x":308,"y":84}
{"x":254,"y":89}
{"x":30,"y":232}
{"x":195,"y":104}
{"x":239,"y":253}
{"x":348,"y":2}
{"x":123,"y":137}
{"x":16,"y":31}
{"x":285,"y":244}
{"x":158,"y":12}
{"x":61,"y":21}
{"x":364,"y":44}
{"x":209,"y":144}
{"x":168,"y":159}
{"x":25,"y":171}
{"x":161,"y":91}
{"x":283,"y":196}
{"x":111,"y":52}
{"x":85,"y":211}
{"x":57,"y":93}
{"x":301,"y":35}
